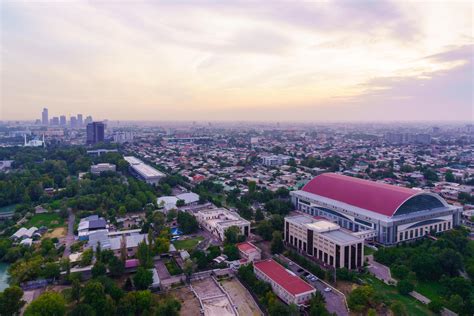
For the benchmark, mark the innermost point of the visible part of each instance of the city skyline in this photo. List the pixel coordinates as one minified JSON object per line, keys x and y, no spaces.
{"x":204,"y":61}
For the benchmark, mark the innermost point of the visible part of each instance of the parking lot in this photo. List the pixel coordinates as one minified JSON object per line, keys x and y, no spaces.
{"x":335,"y":302}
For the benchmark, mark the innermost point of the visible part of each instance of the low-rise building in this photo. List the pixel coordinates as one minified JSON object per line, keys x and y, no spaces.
{"x":324,"y":241}
{"x":285,"y":284}
{"x":217,"y":221}
{"x":249,"y":251}
{"x":275,"y":160}
{"x":143,"y":171}
{"x":102,"y":167}
{"x":90,"y":224}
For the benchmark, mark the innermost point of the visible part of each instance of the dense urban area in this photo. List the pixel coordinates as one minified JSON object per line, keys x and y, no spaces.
{"x":194,"y":218}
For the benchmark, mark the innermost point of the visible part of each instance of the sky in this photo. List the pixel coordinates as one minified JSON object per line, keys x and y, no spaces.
{"x":238,"y":60}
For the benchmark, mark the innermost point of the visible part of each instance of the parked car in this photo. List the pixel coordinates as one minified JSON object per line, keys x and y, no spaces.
{"x":328,"y":289}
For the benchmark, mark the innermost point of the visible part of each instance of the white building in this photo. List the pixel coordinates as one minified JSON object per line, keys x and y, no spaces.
{"x":217,"y":221}
{"x":285,"y":284}
{"x":143,"y":171}
{"x":275,"y":160}
{"x":102,"y":167}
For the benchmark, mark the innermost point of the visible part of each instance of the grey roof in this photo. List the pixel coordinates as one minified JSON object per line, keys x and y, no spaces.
{"x":97,"y":223}
{"x":341,"y":236}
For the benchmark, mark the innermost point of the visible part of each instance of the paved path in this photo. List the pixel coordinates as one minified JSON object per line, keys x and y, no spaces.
{"x":380,"y":271}
{"x":335,"y":301}
{"x":70,"y":234}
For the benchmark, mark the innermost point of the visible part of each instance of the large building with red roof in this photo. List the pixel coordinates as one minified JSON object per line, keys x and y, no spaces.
{"x":394,"y":213}
{"x":285,"y":284}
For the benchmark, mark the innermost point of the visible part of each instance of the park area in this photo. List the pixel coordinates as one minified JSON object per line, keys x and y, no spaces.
{"x":391,"y":294}
{"x":188,"y":244}
{"x":50,"y":220}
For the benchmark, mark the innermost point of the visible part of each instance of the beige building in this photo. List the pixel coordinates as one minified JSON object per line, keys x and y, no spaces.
{"x":218,"y":220}
{"x":325,"y":241}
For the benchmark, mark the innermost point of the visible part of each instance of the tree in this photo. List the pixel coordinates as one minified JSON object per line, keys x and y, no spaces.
{"x":259,"y":215}
{"x":116,"y":267}
{"x":51,"y":270}
{"x":47,"y":304}
{"x":265,"y":230}
{"x":94,"y":295}
{"x":232,"y":234}
{"x":76,"y":290}
{"x":144,"y":255}
{"x":404,"y":287}
{"x":98,"y":269}
{"x":11,"y":301}
{"x":398,"y":309}
{"x":450,"y":261}
{"x":361,"y":298}
{"x":180,"y":203}
{"x":82,"y":310}
{"x":128,"y":286}
{"x":187,"y":223}
{"x":214,"y":252}
{"x":188,"y":268}
{"x":231,"y":251}
{"x":317,"y":305}
{"x":277,"y":242}
{"x":399,"y":272}
{"x":455,"y":303}
{"x":449,"y":177}
{"x":86,"y":258}
{"x":168,"y":306}
{"x":435,"y":306}
{"x":143,"y":278}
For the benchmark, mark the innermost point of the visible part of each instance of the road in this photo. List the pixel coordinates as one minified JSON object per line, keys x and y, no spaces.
{"x":70,"y":234}
{"x":335,"y":302}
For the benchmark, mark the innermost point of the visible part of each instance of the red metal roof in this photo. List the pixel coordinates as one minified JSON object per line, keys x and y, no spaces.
{"x":373,"y":196}
{"x":286,"y":280}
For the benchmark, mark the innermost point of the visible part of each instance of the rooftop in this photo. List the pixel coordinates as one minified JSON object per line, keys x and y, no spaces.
{"x":290,"y":282}
{"x":377,"y":197}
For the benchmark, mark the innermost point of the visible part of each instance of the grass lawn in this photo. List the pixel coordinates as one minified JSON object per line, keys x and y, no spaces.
{"x":50,"y":220}
{"x":390,"y":293}
{"x":188,"y":244}
{"x":172,"y":267}
{"x":431,"y":290}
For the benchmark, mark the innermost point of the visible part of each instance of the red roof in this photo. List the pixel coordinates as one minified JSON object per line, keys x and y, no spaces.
{"x":246,"y":247}
{"x":373,"y":196}
{"x":280,"y":275}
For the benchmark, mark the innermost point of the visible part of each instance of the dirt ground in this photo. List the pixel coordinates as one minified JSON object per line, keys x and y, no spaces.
{"x":241,"y":298}
{"x":57,"y":232}
{"x":345,"y":287}
{"x":189,"y":302}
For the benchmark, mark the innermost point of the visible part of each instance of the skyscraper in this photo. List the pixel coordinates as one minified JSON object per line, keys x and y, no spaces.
{"x":44,"y":117}
{"x":73,"y":122}
{"x":95,"y":132}
{"x":79,"y":120}
{"x":88,"y":120}
{"x":62,"y":120}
